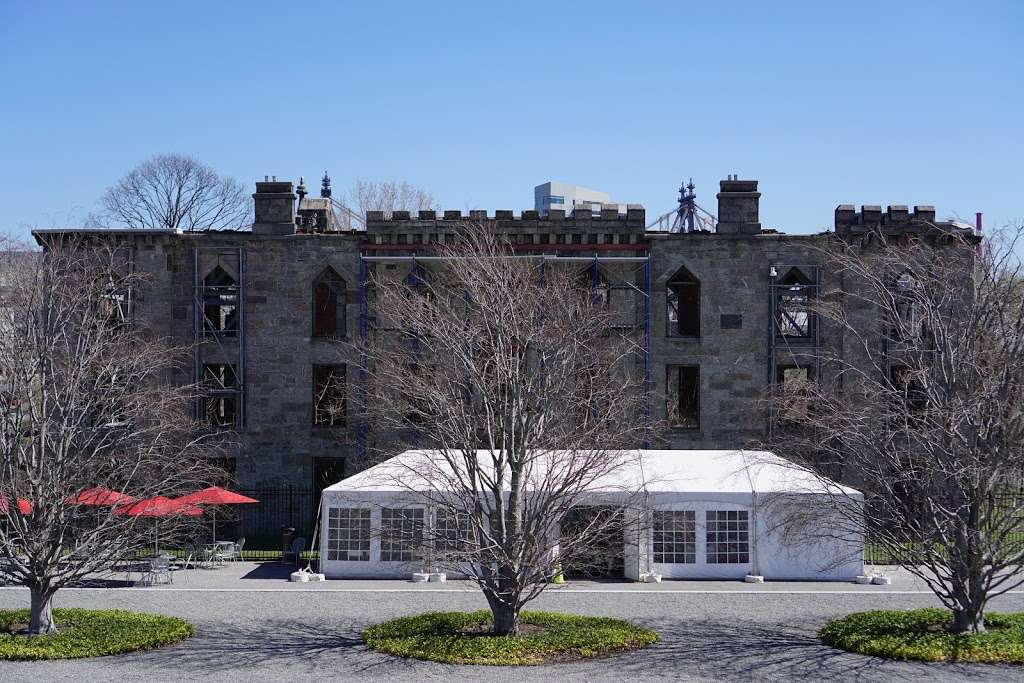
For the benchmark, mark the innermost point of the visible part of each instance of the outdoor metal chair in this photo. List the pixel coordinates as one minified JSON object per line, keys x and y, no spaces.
{"x":227,"y":552}
{"x":159,"y":570}
{"x":295,"y":552}
{"x":194,"y":557}
{"x":239,"y":547}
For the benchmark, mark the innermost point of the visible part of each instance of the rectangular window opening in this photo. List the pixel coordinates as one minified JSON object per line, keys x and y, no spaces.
{"x":221,"y":382}
{"x":683,"y":396}
{"x":329,"y":404}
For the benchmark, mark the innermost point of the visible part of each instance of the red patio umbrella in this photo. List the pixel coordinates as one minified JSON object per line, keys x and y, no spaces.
{"x":24,"y":506}
{"x":158,"y":506}
{"x":101,"y":496}
{"x":215,"y":495}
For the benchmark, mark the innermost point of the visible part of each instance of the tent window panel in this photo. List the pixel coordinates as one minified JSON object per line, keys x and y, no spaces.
{"x":675,"y":537}
{"x":401,"y":534}
{"x":683,"y":396}
{"x":682,"y":296}
{"x":348,"y":534}
{"x":329,"y":404}
{"x":728,"y":537}
{"x":452,"y":532}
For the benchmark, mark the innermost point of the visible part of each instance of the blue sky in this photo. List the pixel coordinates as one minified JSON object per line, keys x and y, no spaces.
{"x":824,"y":103}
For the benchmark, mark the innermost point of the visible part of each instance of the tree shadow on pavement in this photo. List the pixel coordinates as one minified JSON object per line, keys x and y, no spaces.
{"x":750,"y":651}
{"x":271,"y":570}
{"x":704,"y":650}
{"x":268,"y":643}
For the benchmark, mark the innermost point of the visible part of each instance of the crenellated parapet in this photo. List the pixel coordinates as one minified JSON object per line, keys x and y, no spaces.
{"x":897,"y":219}
{"x":583,"y":226}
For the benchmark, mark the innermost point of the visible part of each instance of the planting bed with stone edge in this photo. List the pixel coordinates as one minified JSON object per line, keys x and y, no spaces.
{"x":545,"y":638}
{"x":924,"y":635}
{"x":89,"y":633}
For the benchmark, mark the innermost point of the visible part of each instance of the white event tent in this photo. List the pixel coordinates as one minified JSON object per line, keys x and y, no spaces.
{"x":713,"y":514}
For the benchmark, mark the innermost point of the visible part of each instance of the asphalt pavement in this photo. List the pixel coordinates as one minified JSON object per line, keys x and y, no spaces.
{"x":273,"y":631}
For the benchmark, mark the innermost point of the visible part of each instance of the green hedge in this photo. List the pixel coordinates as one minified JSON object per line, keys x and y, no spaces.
{"x":436,"y":637}
{"x":90,"y":633}
{"x":923,"y":634}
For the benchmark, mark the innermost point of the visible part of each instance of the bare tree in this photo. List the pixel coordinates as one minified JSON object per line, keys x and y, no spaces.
{"x":508,"y":370}
{"x":920,"y":407}
{"x":175,"y":192}
{"x":388,"y":196}
{"x":87,"y":400}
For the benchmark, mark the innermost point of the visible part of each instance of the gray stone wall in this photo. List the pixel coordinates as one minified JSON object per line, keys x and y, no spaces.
{"x":732,"y":354}
{"x":278,"y":443}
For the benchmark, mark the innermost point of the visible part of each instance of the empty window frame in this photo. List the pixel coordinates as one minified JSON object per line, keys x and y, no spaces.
{"x":792,"y":382}
{"x":907,"y":326}
{"x":794,"y":319}
{"x":728,"y":540}
{"x":683,"y":396}
{"x":908,"y":390}
{"x":220,"y":304}
{"x":348,"y":534}
{"x":682,"y":297}
{"x":675,"y":537}
{"x":328,"y":304}
{"x":222,"y":395}
{"x":792,"y":377}
{"x":329,"y":404}
{"x":401,"y":532}
{"x":115,"y":302}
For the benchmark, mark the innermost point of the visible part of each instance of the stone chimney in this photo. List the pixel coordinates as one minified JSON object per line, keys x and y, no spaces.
{"x":275,"y":208}
{"x":738,"y":207}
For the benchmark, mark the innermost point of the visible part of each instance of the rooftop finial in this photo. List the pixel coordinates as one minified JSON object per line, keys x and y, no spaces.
{"x":301,"y":189}
{"x":325,"y":186}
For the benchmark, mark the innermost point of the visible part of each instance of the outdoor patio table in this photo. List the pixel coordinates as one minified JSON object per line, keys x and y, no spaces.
{"x":214,"y":553}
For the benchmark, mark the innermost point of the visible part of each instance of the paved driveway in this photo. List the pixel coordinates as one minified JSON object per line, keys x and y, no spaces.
{"x":730,"y":635}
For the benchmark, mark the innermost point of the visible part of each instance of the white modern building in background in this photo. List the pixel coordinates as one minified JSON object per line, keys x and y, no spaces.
{"x":705,"y":515}
{"x":555,"y":195}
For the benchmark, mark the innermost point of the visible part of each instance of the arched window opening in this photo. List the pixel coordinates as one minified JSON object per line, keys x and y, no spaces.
{"x":794,"y":314}
{"x":328,"y":304}
{"x":682,"y":296}
{"x":220,"y":304}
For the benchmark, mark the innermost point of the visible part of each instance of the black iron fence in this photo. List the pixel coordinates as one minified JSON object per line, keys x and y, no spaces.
{"x":263,"y":524}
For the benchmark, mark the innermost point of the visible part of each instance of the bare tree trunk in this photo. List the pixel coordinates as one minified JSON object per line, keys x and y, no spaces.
{"x":969,"y":619}
{"x":506,"y":616}
{"x":41,"y":620}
